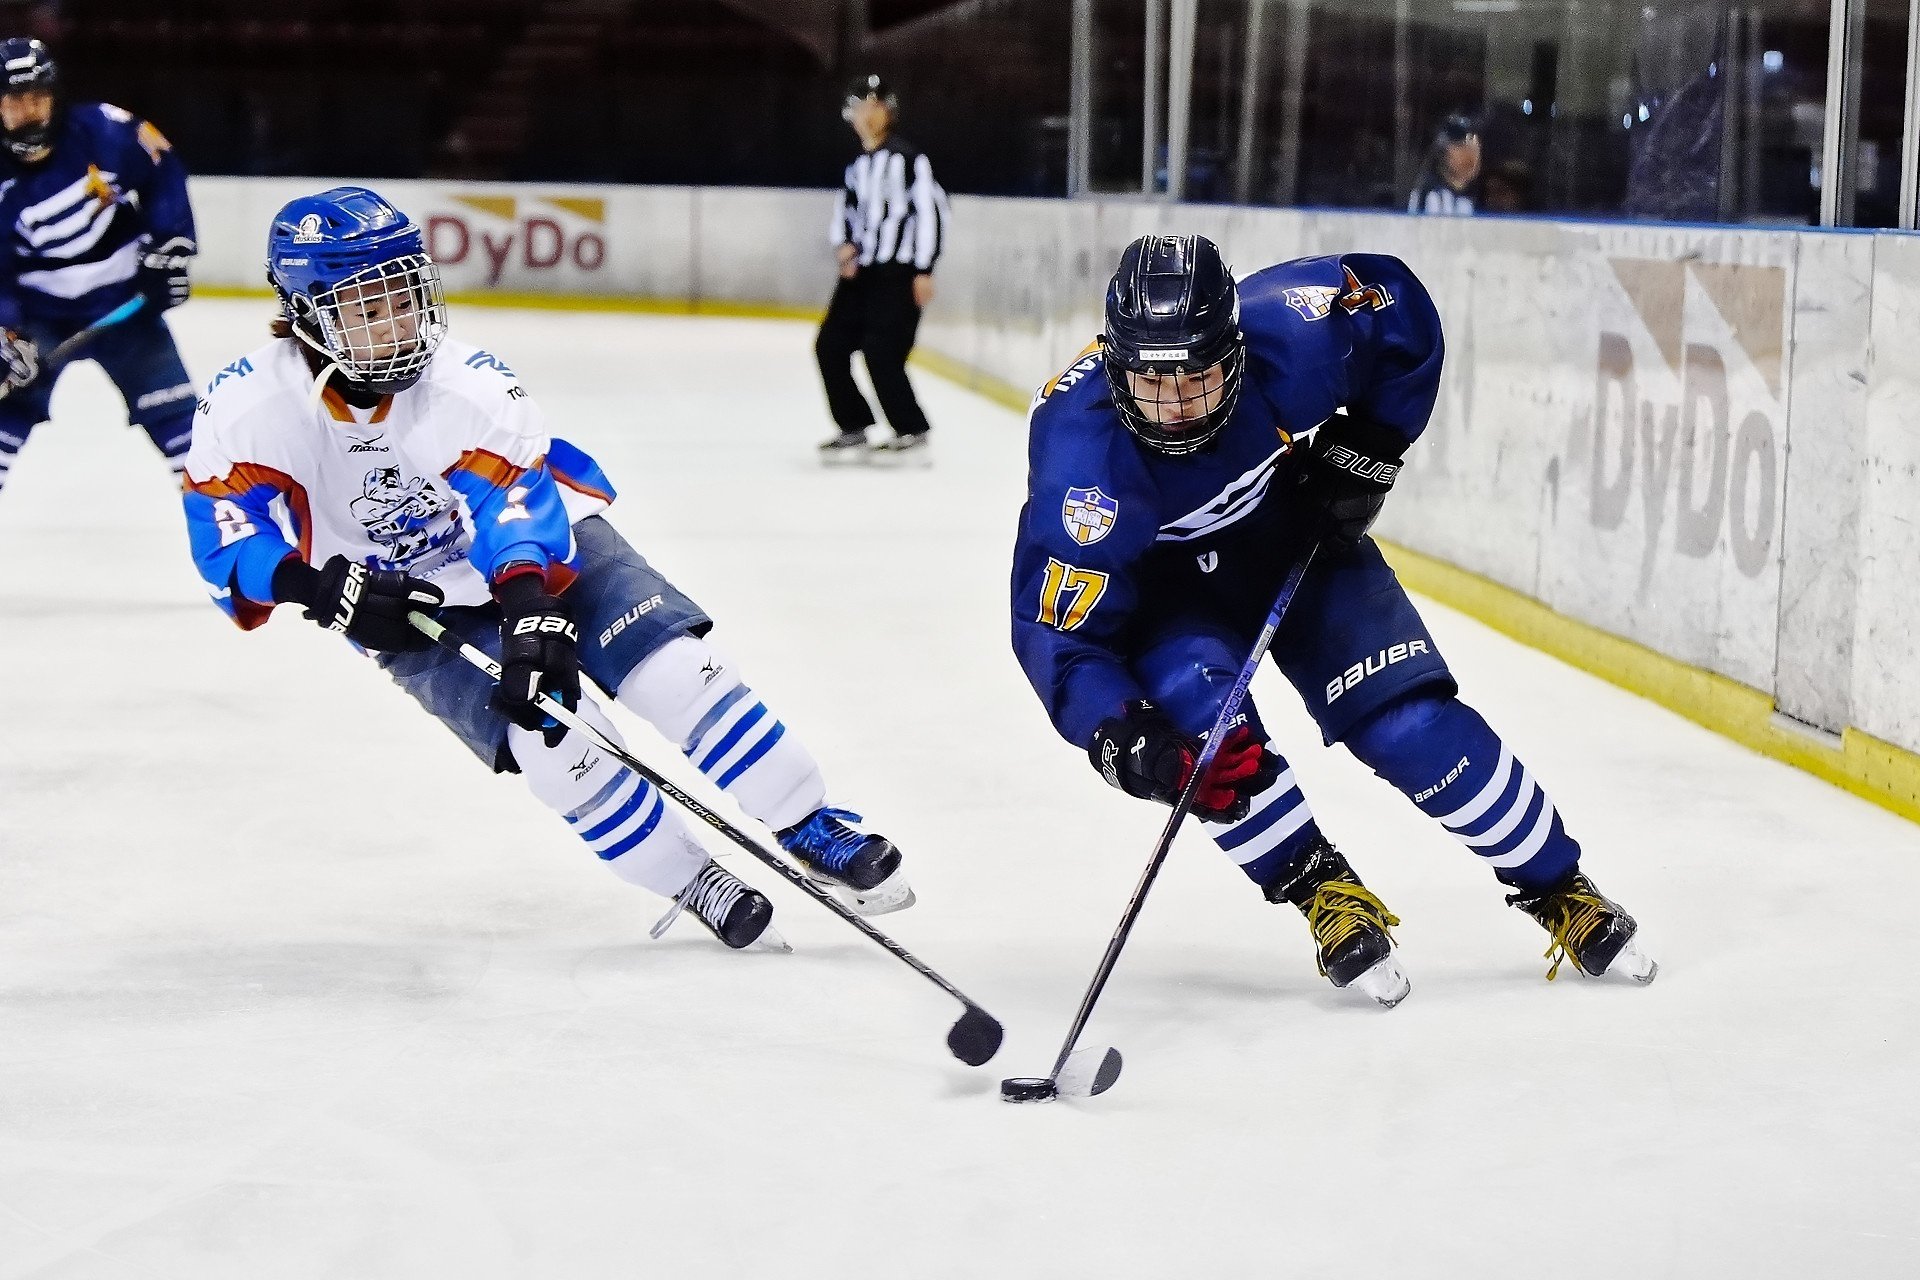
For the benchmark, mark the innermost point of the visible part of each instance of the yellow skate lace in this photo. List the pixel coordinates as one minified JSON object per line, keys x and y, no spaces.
{"x":1577,"y":913}
{"x":1341,"y":908}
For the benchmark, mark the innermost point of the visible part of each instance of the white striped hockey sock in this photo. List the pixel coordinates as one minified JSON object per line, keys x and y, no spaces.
{"x":693,"y":697}
{"x":1277,"y":826}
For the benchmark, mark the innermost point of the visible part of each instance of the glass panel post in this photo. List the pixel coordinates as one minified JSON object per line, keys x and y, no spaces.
{"x":1846,"y":29}
{"x":1156,"y":60}
{"x":1179,"y":94}
{"x":1080,"y":109}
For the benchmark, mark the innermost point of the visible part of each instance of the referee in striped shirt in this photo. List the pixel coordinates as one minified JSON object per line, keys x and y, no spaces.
{"x":889,"y":223}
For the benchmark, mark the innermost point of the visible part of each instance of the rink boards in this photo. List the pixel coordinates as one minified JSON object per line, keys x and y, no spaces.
{"x":1615,"y":438}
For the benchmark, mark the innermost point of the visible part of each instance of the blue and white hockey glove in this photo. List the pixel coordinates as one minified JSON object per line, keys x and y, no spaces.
{"x":368,"y":606}
{"x":1349,"y":466}
{"x":539,"y":652}
{"x":19,"y":361}
{"x":163,"y":272}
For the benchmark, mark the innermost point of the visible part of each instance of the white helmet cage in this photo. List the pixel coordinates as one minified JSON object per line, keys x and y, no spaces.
{"x":381,"y":325}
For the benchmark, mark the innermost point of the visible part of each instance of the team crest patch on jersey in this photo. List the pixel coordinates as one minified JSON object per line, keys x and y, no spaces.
{"x":1312,"y":301}
{"x":1089,"y":515}
{"x":1363,"y":297}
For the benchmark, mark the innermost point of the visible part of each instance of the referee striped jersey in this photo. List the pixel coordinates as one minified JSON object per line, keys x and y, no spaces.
{"x":891,"y":207}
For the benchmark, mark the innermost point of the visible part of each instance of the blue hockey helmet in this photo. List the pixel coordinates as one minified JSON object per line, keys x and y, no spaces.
{"x":1173,"y":350}
{"x":356,"y":284}
{"x":28,"y":65}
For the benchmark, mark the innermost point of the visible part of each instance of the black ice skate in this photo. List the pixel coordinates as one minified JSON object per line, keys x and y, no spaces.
{"x":732,"y":910}
{"x":914,"y":450}
{"x":857,"y":867}
{"x":847,"y":447}
{"x":1587,"y":928}
{"x":1349,"y":924}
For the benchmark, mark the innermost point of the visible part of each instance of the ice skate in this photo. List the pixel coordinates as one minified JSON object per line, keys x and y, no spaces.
{"x":859,"y":868}
{"x":1350,"y":926}
{"x":732,"y":910}
{"x":903,"y":451}
{"x":849,"y":448}
{"x":1587,"y":928}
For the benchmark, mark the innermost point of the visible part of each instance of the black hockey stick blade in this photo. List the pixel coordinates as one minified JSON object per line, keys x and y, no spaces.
{"x":1089,"y":1072}
{"x":976,"y":1037}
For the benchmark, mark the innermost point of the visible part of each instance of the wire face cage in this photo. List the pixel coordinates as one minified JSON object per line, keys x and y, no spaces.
{"x":382,"y":325}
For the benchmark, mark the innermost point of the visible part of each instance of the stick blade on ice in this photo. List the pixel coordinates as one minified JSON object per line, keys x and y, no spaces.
{"x":1089,"y":1072}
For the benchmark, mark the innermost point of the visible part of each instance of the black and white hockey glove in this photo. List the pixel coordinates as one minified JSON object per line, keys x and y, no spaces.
{"x":368,"y":606}
{"x":19,"y":361}
{"x":163,"y":272}
{"x":539,"y":653}
{"x":1350,"y":465}
{"x":1144,"y":754}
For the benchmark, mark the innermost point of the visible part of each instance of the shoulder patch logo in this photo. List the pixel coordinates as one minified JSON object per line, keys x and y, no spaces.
{"x":1089,"y":515}
{"x":1312,"y":301}
{"x":1363,"y":297}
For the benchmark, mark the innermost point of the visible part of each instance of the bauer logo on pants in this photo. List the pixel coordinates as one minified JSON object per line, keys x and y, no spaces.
{"x":1088,"y":515}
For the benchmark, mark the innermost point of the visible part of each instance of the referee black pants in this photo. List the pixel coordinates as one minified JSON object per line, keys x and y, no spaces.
{"x":872,"y":313}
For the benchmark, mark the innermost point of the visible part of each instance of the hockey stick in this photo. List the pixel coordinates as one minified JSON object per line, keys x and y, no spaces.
{"x":974,"y":1039}
{"x":1085,"y":1072}
{"x":71,"y":347}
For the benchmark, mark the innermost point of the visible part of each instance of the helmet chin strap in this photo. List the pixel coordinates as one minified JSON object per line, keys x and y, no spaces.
{"x":328,"y":365}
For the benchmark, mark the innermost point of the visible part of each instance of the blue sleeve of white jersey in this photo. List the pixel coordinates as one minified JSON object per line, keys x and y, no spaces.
{"x":1073,"y":599}
{"x":237,"y":543}
{"x":518,"y":515}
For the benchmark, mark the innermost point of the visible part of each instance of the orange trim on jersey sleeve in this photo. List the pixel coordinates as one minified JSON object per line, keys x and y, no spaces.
{"x":578,"y":486}
{"x":491,"y":467}
{"x":248,"y":476}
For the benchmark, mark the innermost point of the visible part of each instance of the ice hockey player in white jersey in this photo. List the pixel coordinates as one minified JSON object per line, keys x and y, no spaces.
{"x":363,"y":464}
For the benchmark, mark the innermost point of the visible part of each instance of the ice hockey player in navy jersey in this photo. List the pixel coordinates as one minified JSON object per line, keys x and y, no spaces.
{"x":363,"y":464}
{"x":93,"y":214}
{"x":1176,"y":472}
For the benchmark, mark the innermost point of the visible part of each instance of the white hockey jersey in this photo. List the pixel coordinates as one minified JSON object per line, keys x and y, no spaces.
{"x":448,"y":480}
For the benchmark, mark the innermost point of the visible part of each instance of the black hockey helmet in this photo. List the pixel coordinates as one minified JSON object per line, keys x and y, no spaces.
{"x":869,"y":86}
{"x":1173,"y":311}
{"x":28,"y":64}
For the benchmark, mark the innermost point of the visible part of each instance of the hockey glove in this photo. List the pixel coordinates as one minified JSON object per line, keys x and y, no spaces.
{"x":1350,"y":465}
{"x":1144,"y":754}
{"x":163,"y":272}
{"x":539,"y":653}
{"x":366,"y":605}
{"x":19,"y":361}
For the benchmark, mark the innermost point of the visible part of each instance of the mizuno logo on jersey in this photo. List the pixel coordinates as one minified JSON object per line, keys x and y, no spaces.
{"x":584,"y":765}
{"x":628,"y":618}
{"x":369,"y":446}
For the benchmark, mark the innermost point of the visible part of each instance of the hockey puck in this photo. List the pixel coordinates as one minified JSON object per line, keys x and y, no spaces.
{"x":1026,"y":1089}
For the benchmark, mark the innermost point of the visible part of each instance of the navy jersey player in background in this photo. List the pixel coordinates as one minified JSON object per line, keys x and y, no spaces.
{"x":93,"y":213}
{"x":1177,"y":471}
{"x":363,"y":464}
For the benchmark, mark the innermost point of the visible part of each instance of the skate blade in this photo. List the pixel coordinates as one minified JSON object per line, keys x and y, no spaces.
{"x":1385,"y":984}
{"x":770,"y":940}
{"x":890,"y":895}
{"x":916,"y":458}
{"x":1634,"y":963}
{"x":844,"y":457}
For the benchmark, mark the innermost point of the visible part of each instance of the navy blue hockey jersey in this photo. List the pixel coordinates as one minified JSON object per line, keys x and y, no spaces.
{"x":72,"y":228}
{"x":1116,"y":537}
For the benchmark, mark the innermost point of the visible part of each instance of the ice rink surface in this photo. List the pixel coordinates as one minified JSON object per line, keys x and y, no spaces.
{"x":290,"y":987}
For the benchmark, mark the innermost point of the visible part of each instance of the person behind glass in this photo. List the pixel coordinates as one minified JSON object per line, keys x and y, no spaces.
{"x":889,"y":225}
{"x":1450,"y":184}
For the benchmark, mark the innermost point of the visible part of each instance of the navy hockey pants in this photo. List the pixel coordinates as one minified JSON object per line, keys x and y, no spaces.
{"x":140,"y":357}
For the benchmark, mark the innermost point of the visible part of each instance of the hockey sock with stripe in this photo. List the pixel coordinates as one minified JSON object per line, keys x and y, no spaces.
{"x":1444,"y":757}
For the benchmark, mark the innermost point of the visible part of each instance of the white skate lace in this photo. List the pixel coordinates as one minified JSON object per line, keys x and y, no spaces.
{"x":710,"y":895}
